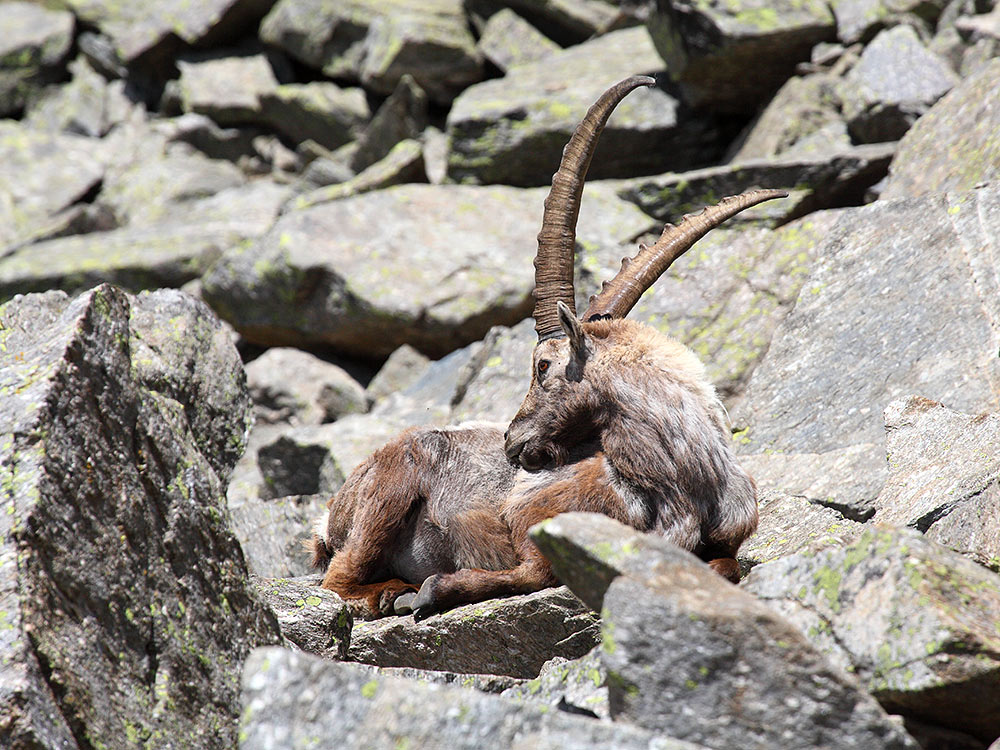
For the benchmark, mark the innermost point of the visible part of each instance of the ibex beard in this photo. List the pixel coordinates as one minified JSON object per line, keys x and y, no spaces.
{"x":619,"y":419}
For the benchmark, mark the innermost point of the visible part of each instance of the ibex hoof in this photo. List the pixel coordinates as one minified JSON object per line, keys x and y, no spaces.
{"x":424,"y":604}
{"x":404,"y":603}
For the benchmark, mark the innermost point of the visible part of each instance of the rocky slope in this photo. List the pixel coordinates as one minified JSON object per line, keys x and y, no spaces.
{"x":245,"y":242}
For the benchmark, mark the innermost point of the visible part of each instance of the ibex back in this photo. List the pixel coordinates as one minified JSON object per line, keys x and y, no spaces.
{"x":619,"y":420}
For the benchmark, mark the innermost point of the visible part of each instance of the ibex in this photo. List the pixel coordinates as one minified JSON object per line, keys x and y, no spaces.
{"x":619,"y":419}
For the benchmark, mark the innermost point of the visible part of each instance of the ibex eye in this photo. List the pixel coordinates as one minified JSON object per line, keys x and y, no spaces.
{"x":543,"y":367}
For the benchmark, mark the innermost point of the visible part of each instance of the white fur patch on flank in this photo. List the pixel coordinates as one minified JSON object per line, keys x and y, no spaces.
{"x":320,"y":526}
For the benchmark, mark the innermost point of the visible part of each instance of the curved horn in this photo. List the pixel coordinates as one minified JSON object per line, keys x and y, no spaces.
{"x":637,"y":274}
{"x":557,"y":237}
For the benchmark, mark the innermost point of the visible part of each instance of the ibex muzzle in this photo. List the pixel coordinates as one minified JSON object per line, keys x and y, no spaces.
{"x":619,"y":420}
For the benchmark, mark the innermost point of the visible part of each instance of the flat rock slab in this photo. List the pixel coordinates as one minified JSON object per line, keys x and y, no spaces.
{"x":513,"y":636}
{"x":316,"y":620}
{"x":956,"y":145}
{"x":291,"y":699}
{"x":226,"y":87}
{"x":574,"y":685}
{"x":34,"y":41}
{"x":127,"y":602}
{"x":320,"y":111}
{"x":508,"y":40}
{"x":272,"y":532}
{"x":944,"y":476}
{"x":512,"y":130}
{"x":679,"y":642}
{"x":871,"y":325}
{"x":916,"y":622}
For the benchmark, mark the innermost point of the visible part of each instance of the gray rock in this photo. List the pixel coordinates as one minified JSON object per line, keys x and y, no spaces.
{"x":733,"y":56}
{"x":567,"y":21}
{"x":301,"y":462}
{"x":401,"y":117}
{"x":292,"y":386}
{"x":320,"y":111}
{"x":955,"y":145}
{"x":860,"y":20}
{"x":508,"y":40}
{"x":790,"y":524}
{"x":375,"y":44}
{"x":868,"y":328}
{"x":513,"y":636}
{"x":896,"y":80}
{"x":943,"y":477}
{"x":679,"y":641}
{"x":176,"y":247}
{"x":403,"y":367}
{"x":502,"y":375}
{"x":442,"y":265}
{"x":34,"y":42}
{"x":915,"y":621}
{"x":151,"y":33}
{"x":128,"y":598}
{"x":314,"y":619}
{"x":272,"y":532}
{"x":41,"y":175}
{"x":291,"y":699}
{"x":512,"y":130}
{"x":577,"y":686}
{"x":214,"y":142}
{"x":226,"y":86}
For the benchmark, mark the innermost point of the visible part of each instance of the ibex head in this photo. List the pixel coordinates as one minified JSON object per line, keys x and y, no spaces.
{"x":567,"y":404}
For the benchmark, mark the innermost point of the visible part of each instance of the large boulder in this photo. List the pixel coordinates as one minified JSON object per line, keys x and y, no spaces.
{"x":34,"y":42}
{"x":127,"y":605}
{"x":869,"y":327}
{"x":512,"y":130}
{"x":320,"y":111}
{"x":291,"y":699}
{"x":507,"y":40}
{"x":691,"y":656}
{"x":860,"y":20}
{"x":913,"y":620}
{"x":376,"y":44}
{"x":225,"y":85}
{"x":955,"y":145}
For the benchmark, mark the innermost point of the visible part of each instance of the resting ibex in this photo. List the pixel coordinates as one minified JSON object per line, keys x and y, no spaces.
{"x":619,"y":420}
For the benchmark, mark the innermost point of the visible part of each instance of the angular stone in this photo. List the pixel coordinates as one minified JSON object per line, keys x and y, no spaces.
{"x":568,"y":22}
{"x":403,"y":367}
{"x":512,"y":130}
{"x":502,"y":375}
{"x":298,"y":388}
{"x":916,"y":621}
{"x":577,"y":686}
{"x":896,"y":80}
{"x":375,"y":42}
{"x":33,"y":44}
{"x":508,"y":40}
{"x":956,"y":145}
{"x":272,"y":532}
{"x":290,"y":699}
{"x":679,"y":641}
{"x":226,"y":86}
{"x":944,"y":477}
{"x":733,"y":56}
{"x":320,"y":111}
{"x":401,"y":117}
{"x":860,"y":20}
{"x":868,"y":327}
{"x":404,"y":163}
{"x":118,"y":563}
{"x":314,"y":619}
{"x":513,"y":636}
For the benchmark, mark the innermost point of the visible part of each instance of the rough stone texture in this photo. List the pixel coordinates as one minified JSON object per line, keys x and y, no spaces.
{"x":577,"y":686}
{"x":916,"y":621}
{"x":566,"y":21}
{"x":298,"y":388}
{"x":42,"y":175}
{"x":226,"y":87}
{"x":508,"y":40}
{"x":375,"y":42}
{"x":401,"y":117}
{"x":896,"y":80}
{"x":512,"y":130}
{"x":733,"y":56}
{"x":272,"y":532}
{"x":501,"y":380}
{"x":513,"y":636}
{"x":150,"y":33}
{"x":291,"y":700}
{"x":314,"y":619}
{"x":871,"y":324}
{"x":403,"y":164}
{"x":944,"y":477}
{"x":403,"y":367}
{"x":129,"y":609}
{"x":33,"y":44}
{"x":956,"y":145}
{"x":441,"y":265}
{"x":679,"y":642}
{"x":320,"y":111}
{"x":174,"y":248}
{"x":859,"y":20}
{"x":791,"y":523}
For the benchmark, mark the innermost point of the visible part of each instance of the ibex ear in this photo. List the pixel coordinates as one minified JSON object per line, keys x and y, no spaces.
{"x":574,"y":331}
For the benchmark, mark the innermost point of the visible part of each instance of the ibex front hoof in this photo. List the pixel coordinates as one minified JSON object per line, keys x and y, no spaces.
{"x":404,"y":603}
{"x":424,"y":604}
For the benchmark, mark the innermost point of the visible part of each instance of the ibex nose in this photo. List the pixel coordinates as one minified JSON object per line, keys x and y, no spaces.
{"x":506,"y":434}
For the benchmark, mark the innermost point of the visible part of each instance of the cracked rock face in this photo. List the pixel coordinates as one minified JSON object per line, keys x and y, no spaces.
{"x":124,"y":597}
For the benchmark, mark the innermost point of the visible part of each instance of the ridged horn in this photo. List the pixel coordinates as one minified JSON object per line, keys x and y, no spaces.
{"x":557,"y":237}
{"x":619,"y":295}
